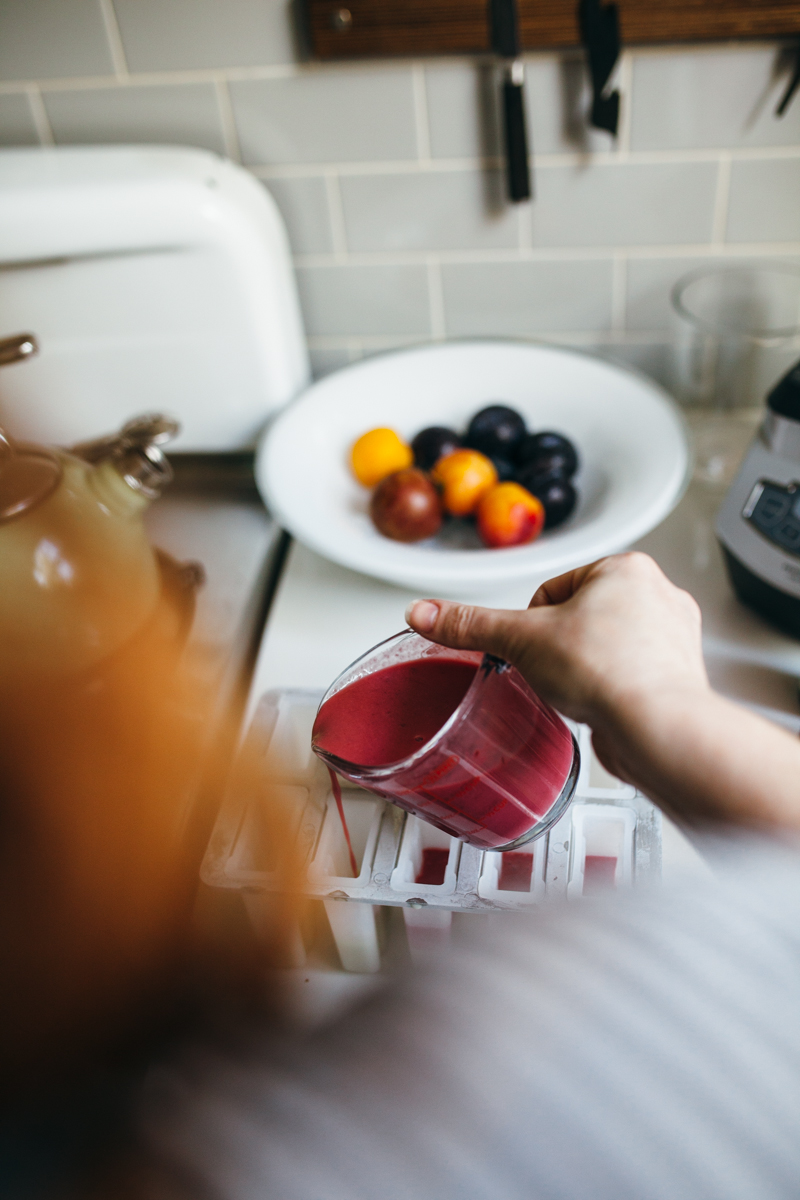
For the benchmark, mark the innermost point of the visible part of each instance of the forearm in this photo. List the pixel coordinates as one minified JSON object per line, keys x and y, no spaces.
{"x":703,"y":758}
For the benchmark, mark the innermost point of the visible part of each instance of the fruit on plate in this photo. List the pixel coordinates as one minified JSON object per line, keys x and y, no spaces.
{"x":548,"y":453}
{"x":496,"y":430}
{"x":405,"y":506}
{"x":508,"y":515}
{"x":433,"y":443}
{"x":463,"y":477}
{"x":516,"y":483}
{"x":557,"y":495}
{"x":379,"y":453}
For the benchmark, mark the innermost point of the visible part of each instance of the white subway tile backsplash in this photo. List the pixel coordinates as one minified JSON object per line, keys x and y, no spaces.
{"x":764,"y":203}
{"x":558,"y":99}
{"x":523,"y":299}
{"x":650,"y":281}
{"x":304,"y":208}
{"x":324,"y":361}
{"x":327,"y":115}
{"x":393,"y":244}
{"x":655,"y":359}
{"x":169,"y":35}
{"x":624,"y":204}
{"x":182,"y":115}
{"x":371,"y":300}
{"x":709,"y":98}
{"x":450,"y":210}
{"x":17,"y":126}
{"x":463,"y":110}
{"x":48,"y":39}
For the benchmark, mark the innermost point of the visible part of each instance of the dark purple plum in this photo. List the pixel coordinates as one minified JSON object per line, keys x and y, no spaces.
{"x":557,"y":495}
{"x":433,"y":443}
{"x":495,"y":431}
{"x":548,"y":453}
{"x":504,"y":467}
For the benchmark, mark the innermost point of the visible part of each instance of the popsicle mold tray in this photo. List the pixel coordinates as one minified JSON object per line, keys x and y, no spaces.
{"x":610,"y":836}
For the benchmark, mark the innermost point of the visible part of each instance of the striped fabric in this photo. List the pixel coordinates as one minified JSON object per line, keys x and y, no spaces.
{"x":636,"y":1048}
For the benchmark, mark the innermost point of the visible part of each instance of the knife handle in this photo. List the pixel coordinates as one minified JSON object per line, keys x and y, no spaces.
{"x":517,"y":166}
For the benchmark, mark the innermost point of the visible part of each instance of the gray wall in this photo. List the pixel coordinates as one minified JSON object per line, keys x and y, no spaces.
{"x":386,"y":173}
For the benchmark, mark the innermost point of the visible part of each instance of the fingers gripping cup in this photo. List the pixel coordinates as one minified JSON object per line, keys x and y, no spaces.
{"x":454,"y":736}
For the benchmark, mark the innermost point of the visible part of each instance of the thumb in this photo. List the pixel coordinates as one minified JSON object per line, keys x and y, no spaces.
{"x":463,"y":626}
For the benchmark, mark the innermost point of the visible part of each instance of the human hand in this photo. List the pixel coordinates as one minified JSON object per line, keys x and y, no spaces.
{"x":617,"y":646}
{"x":596,"y":639}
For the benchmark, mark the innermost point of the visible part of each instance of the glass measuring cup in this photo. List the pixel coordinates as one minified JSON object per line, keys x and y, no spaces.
{"x":496,"y":772}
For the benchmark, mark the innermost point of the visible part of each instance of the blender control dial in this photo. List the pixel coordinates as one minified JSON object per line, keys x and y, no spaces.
{"x":774,"y":510}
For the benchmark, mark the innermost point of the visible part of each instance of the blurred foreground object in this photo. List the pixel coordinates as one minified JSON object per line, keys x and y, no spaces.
{"x":102,"y":722}
{"x":637,"y":1047}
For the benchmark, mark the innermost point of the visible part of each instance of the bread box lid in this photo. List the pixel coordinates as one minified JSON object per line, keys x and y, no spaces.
{"x":154,"y":279}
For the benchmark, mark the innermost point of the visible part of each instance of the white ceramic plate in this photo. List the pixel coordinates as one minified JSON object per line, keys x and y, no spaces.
{"x":629,"y":435}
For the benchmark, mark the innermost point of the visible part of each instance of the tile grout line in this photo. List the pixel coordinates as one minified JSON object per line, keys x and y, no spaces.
{"x":41,"y":120}
{"x":543,"y":161}
{"x":339,"y":341}
{"x":336,"y":215}
{"x":577,"y":337}
{"x":436,"y":300}
{"x":230,"y":134}
{"x":719,"y":223}
{"x":78,"y":83}
{"x":619,"y":292}
{"x":286,"y":70}
{"x":421,"y":123}
{"x":114,"y":39}
{"x":554,"y":254}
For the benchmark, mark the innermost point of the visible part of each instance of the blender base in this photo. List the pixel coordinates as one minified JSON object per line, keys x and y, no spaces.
{"x":779,"y":608}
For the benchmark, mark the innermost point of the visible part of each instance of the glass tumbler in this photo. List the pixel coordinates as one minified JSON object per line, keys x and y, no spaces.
{"x":737,"y":331}
{"x":499,"y":772}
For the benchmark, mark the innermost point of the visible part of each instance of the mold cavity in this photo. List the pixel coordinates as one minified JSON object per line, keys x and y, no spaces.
{"x":515,"y":872}
{"x":433,"y":866}
{"x":428,"y":858}
{"x":333,"y":854}
{"x":599,"y":873}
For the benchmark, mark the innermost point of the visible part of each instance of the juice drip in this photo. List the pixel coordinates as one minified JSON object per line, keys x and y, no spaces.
{"x":337,"y":795}
{"x":434,"y":866}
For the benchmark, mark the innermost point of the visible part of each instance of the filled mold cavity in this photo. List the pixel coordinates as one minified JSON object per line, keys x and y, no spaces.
{"x":427,"y":862}
{"x":602,"y":849}
{"x":513,"y":877}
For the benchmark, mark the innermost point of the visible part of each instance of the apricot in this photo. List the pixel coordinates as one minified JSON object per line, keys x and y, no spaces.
{"x":406,"y":507}
{"x":378,"y":453}
{"x":508,"y":515}
{"x":464,"y":476}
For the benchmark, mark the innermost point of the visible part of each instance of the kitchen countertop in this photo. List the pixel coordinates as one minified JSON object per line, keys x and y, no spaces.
{"x":212,"y":514}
